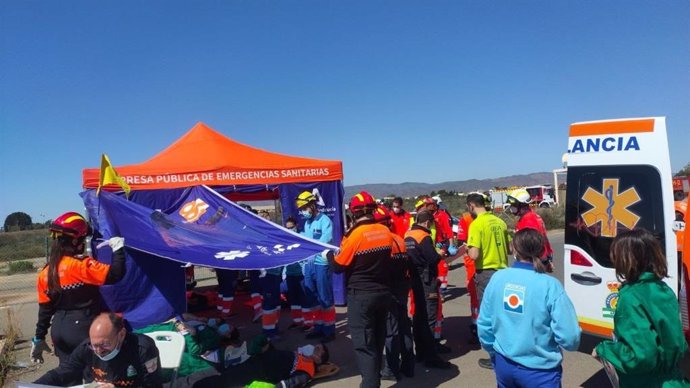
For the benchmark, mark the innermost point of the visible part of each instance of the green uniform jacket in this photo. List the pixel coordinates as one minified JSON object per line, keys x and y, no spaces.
{"x":195,"y":346}
{"x":649,"y":336}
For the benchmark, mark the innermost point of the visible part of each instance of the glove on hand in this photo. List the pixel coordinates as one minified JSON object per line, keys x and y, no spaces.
{"x":114,"y":242}
{"x":37,"y":349}
{"x":328,"y":254}
{"x":452,"y":250}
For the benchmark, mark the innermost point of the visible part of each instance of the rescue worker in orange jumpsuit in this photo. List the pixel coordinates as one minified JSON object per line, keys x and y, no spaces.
{"x":365,"y":258}
{"x":443,"y":238}
{"x":519,"y":201}
{"x":68,"y":286}
{"x":399,"y":341}
{"x":401,"y":221}
{"x":470,"y":270}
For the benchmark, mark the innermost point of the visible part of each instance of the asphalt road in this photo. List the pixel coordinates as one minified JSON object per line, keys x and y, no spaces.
{"x":579,"y":368}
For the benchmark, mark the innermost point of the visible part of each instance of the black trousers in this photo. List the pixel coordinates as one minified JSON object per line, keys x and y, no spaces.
{"x":431,"y":291}
{"x":366,"y":317}
{"x":68,"y":329}
{"x":425,"y":345}
{"x":399,"y":340}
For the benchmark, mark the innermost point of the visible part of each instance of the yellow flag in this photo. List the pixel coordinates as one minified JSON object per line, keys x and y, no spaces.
{"x":109,"y":176}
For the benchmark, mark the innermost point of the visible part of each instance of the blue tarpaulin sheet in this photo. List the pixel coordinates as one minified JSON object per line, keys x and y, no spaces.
{"x":201,"y":228}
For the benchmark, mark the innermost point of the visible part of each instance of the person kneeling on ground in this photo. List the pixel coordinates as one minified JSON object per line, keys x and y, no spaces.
{"x":110,"y":356}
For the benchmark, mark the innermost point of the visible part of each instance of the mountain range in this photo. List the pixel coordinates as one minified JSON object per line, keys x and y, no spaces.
{"x":412,"y":189}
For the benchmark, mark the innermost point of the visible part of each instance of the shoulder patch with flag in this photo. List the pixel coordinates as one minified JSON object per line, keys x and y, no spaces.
{"x":514,"y":298}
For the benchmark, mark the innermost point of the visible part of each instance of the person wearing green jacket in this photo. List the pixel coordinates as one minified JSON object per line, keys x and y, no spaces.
{"x":648,"y":337}
{"x":202,"y":338}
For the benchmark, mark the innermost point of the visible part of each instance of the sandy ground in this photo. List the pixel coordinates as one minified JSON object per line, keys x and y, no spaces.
{"x":579,"y":368}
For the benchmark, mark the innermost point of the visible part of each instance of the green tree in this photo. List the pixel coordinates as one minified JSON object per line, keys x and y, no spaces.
{"x":17,"y":221}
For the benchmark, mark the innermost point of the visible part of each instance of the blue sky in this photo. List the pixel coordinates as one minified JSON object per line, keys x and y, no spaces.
{"x":425,"y":91}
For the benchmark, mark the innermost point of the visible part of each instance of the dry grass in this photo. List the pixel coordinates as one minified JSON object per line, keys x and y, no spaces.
{"x":22,"y":245}
{"x":7,"y":341}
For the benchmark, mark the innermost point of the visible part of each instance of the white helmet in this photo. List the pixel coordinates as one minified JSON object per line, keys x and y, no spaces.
{"x":519,"y":197}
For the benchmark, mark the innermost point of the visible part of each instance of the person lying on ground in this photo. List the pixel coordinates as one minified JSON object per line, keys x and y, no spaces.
{"x":209,"y":343}
{"x":284,"y":368}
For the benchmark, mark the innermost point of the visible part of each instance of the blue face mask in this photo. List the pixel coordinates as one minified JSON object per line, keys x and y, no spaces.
{"x":110,"y":355}
{"x":305,"y":214}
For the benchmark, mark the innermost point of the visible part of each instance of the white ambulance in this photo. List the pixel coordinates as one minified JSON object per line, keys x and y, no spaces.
{"x":619,"y":178}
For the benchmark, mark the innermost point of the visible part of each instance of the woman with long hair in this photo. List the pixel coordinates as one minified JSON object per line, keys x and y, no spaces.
{"x":648,"y":333}
{"x":68,"y":286}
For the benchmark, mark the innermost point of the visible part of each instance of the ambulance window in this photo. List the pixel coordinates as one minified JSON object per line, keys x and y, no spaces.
{"x":602,"y":201}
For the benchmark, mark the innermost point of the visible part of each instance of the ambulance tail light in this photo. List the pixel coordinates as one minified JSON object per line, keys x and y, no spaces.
{"x":576,"y":258}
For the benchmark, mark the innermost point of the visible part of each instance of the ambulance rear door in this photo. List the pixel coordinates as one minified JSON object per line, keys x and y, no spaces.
{"x":619,"y":178}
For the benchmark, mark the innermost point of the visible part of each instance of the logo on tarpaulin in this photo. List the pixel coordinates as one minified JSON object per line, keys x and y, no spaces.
{"x":231,"y":255}
{"x":609,"y":309}
{"x":280,"y":248}
{"x":514,"y":298}
{"x":193,"y":210}
{"x":610,"y":207}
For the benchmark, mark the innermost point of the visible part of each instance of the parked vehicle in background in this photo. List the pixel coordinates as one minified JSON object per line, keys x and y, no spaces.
{"x":681,"y":187}
{"x":542,"y":196}
{"x":499,"y":199}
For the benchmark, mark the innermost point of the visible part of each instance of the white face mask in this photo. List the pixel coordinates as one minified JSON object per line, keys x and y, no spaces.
{"x":397,"y":210}
{"x":305,"y":213}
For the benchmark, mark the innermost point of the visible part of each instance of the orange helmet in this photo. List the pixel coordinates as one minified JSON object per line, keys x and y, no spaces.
{"x":381,"y":214}
{"x":70,"y":224}
{"x":362,"y":201}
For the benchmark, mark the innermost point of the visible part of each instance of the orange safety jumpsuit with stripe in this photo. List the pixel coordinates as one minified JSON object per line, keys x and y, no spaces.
{"x":444,"y":233}
{"x":470,"y":269}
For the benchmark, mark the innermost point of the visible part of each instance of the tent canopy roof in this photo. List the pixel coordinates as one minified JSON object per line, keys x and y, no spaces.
{"x":204,"y":156}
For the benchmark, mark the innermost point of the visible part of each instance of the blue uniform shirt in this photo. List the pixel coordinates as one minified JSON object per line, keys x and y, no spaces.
{"x":319,"y":228}
{"x":527,"y":317}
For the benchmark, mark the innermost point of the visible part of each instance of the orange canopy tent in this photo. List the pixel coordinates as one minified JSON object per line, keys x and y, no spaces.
{"x":205,"y":157}
{"x":237,"y":171}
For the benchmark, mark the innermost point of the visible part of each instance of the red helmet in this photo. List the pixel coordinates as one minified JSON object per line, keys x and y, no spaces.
{"x":381,"y":214}
{"x":70,"y":224}
{"x":429,"y":201}
{"x":362,"y":201}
